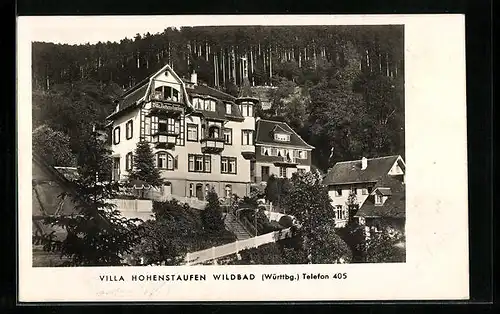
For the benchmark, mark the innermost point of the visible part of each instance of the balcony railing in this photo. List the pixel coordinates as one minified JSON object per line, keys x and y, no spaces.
{"x":248,"y":152}
{"x":166,"y":108}
{"x":165,"y":139}
{"x":286,"y":162}
{"x":212,"y":145}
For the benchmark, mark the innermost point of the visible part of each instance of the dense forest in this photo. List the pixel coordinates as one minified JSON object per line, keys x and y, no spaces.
{"x":340,"y":87}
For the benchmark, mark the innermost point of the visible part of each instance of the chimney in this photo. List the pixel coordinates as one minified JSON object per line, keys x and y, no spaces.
{"x":194,"y":78}
{"x":364,"y":163}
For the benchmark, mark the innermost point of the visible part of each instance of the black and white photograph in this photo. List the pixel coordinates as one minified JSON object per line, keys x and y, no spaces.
{"x":254,"y":151}
{"x":227,"y":145}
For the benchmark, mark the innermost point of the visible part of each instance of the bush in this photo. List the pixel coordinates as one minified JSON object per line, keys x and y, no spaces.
{"x":286,"y":221}
{"x":267,"y":254}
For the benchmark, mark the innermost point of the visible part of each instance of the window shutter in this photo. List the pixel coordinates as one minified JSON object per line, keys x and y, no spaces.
{"x":176,"y":162}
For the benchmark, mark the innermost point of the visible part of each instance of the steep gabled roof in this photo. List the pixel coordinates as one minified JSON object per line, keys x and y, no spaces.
{"x":264,"y":134}
{"x":393,"y":207}
{"x":130,"y":99}
{"x":350,"y":171}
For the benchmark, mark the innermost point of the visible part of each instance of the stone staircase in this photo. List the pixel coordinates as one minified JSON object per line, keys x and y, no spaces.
{"x":232,"y":224}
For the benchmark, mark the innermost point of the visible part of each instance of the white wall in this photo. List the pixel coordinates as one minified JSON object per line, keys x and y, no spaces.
{"x":125,"y":146}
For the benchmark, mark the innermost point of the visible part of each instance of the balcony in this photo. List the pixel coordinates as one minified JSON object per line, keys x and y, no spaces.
{"x":212,"y":145}
{"x":290,"y":162}
{"x":166,"y":108}
{"x":248,"y":152}
{"x":165,"y":139}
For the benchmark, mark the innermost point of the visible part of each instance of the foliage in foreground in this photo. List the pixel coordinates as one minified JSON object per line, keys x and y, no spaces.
{"x":309,"y":203}
{"x":176,"y":230}
{"x":96,"y":233}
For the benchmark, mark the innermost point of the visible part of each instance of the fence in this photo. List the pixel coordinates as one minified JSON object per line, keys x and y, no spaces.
{"x":234,"y":247}
{"x":125,"y":205}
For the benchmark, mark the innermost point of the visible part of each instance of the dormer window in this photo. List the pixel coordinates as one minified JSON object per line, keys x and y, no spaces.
{"x":228,"y":108}
{"x":282,"y":137}
{"x":197,"y":103}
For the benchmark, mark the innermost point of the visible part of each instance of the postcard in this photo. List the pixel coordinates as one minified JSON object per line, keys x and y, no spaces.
{"x":242,"y":158}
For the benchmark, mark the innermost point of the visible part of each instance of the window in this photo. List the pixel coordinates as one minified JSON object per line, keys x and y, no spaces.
{"x":207,"y":105}
{"x":191,"y":190}
{"x":246,"y":110}
{"x":247,"y":137}
{"x":354,"y":190}
{"x":301,"y":170}
{"x":128,"y":162}
{"x":116,"y":135}
{"x":282,"y":172}
{"x":338,"y":192}
{"x":282,"y":137}
{"x":265,"y":172}
{"x":364,"y":191}
{"x":197,"y":103}
{"x":207,"y":189}
{"x":229,"y":108}
{"x":265,"y":151}
{"x":129,"y":130}
{"x":192,"y":132}
{"x":213,"y":132}
{"x":165,"y":161}
{"x":228,"y":191}
{"x":199,"y":163}
{"x":228,"y":165}
{"x":274,"y":152}
{"x":228,"y":136}
{"x":301,"y":154}
{"x":339,"y":212}
{"x":166,"y":93}
{"x":378,"y":199}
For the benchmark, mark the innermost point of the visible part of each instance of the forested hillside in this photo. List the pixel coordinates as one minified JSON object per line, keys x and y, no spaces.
{"x":350,"y":79}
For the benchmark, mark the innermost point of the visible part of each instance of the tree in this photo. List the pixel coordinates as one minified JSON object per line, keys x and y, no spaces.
{"x":212,"y":214}
{"x":352,"y":205}
{"x":309,"y":202}
{"x":53,"y":146}
{"x":166,"y":239}
{"x":96,"y":234}
{"x":144,"y":166}
{"x":381,"y":247}
{"x":276,"y":189}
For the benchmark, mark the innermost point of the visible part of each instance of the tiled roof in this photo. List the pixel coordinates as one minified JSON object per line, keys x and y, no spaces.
{"x":264,"y":135}
{"x":394,"y":206}
{"x":209,"y":91}
{"x":350,"y":171}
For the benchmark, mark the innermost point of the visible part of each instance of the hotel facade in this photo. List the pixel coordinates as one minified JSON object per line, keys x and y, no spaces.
{"x":201,"y":138}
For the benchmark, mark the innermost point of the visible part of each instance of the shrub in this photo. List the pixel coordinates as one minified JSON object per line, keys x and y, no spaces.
{"x":286,"y":221}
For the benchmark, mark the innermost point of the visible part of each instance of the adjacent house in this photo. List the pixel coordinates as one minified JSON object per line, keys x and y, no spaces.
{"x":200,"y":136}
{"x":279,"y":151}
{"x":371,"y":188}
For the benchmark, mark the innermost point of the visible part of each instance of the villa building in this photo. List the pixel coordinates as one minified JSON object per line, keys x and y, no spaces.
{"x":369,"y":185}
{"x":201,"y":137}
{"x":279,"y":151}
